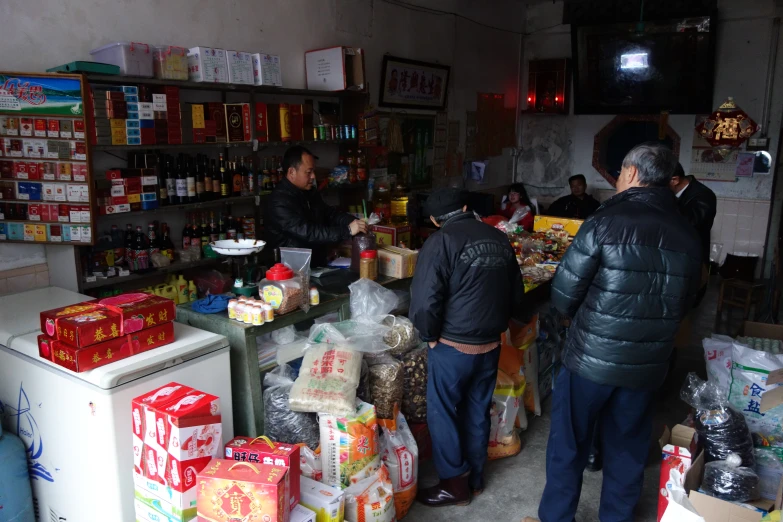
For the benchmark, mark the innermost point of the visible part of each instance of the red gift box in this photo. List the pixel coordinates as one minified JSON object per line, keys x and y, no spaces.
{"x":49,"y":317}
{"x":195,"y":437}
{"x":261,"y":450}
{"x":89,"y":327}
{"x":142,"y":404}
{"x":181,"y":476}
{"x":140,"y":311}
{"x":91,"y":357}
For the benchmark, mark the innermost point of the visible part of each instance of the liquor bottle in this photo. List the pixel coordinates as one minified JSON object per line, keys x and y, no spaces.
{"x":171,"y":182}
{"x":141,"y":250}
{"x":248,"y":185}
{"x":351,"y":167}
{"x":182,"y":182}
{"x":118,"y":244}
{"x":280,"y":172}
{"x":186,"y":235}
{"x":152,"y":236}
{"x":166,"y":246}
{"x":195,"y":235}
{"x":222,"y":228}
{"x":163,"y":191}
{"x":236,"y":177}
{"x":204,"y":233}
{"x":200,"y":190}
{"x":207,"y":179}
{"x":266,"y":176}
{"x":191,"y":180}
{"x":224,"y":180}
{"x":215,"y":180}
{"x":232,"y":231}
{"x":361,"y":167}
{"x":213,"y":229}
{"x":130,"y":260}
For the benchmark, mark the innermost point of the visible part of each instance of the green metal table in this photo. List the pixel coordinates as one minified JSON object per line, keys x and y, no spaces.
{"x":246,"y":377}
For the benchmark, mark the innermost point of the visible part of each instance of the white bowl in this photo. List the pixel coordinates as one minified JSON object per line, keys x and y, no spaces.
{"x":237,"y":247}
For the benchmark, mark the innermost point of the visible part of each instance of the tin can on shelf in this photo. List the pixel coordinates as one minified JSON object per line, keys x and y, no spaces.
{"x":315,"y":133}
{"x":347,"y":132}
{"x":322,"y":132}
{"x":333,"y":130}
{"x":353,"y":132}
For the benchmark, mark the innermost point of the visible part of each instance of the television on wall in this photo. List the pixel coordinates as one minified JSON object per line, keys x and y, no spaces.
{"x":644,"y":67}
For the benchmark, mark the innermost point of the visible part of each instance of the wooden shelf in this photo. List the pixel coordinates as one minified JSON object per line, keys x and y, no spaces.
{"x":261,"y":144}
{"x":23,"y":242}
{"x":188,"y":206}
{"x":98,"y":79}
{"x":28,"y":201}
{"x":136,"y":276}
{"x":43,"y":181}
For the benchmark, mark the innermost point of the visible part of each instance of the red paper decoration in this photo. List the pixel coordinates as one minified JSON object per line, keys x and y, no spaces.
{"x":728,"y":127}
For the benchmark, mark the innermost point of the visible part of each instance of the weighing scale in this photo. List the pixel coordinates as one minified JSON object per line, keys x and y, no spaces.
{"x":245,"y":272}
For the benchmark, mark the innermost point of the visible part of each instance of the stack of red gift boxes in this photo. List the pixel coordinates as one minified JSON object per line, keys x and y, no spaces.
{"x":87,"y":335}
{"x":176,"y":432}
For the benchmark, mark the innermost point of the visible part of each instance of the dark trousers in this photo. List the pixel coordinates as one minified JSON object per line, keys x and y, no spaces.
{"x":624,"y":418}
{"x":459,"y":397}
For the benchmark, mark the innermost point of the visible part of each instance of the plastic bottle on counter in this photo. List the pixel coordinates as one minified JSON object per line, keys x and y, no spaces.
{"x":232,"y":308}
{"x":182,"y":290}
{"x":258,"y":314}
{"x":247,"y":311}
{"x":269,"y":313}
{"x":368,"y":265}
{"x":315,"y":297}
{"x":192,"y":291}
{"x":239,"y":309}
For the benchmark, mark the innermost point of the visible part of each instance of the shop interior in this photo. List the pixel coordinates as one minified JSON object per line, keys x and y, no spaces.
{"x":141,"y":146}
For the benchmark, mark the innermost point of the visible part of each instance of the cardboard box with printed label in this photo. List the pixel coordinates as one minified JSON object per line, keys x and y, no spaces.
{"x":335,"y":69}
{"x":397,"y":262}
{"x":679,"y":447}
{"x":327,"y":502}
{"x":170,"y":502}
{"x":396,"y":236}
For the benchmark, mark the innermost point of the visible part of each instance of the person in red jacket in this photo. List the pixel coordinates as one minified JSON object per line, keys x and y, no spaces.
{"x":518,"y":201}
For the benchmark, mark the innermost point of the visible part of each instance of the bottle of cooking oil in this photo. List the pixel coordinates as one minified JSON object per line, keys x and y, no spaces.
{"x":382,"y":202}
{"x":399,"y":205}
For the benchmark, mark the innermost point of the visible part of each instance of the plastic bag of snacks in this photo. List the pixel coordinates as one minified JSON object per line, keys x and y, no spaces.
{"x":298,"y":260}
{"x":749,"y":373}
{"x":310,"y":463}
{"x":402,"y":337}
{"x":504,"y":440}
{"x":349,"y":445}
{"x":387,"y":380}
{"x":282,"y":424}
{"x":414,"y":394}
{"x":370,"y":298}
{"x":400,"y":455}
{"x":322,"y":395}
{"x":332,"y":361}
{"x":371,"y":499}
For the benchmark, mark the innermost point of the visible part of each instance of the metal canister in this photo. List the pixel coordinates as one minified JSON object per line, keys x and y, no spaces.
{"x":315,"y":133}
{"x":321,"y":132}
{"x":353,"y":132}
{"x":333,"y":130}
{"x":347,"y":132}
{"x":285,"y":122}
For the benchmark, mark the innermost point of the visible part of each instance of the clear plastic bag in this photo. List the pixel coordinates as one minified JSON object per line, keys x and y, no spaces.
{"x":370,"y":298}
{"x":727,"y":480}
{"x":322,"y":395}
{"x":402,"y":337}
{"x":387,"y":380}
{"x":298,"y":260}
{"x":722,"y":429}
{"x":363,"y":334}
{"x":310,"y":463}
{"x":280,"y":422}
{"x":504,"y":440}
{"x":400,"y":454}
{"x":363,"y":390}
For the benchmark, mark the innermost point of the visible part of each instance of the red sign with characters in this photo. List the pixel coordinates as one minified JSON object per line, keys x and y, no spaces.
{"x":728,"y":127}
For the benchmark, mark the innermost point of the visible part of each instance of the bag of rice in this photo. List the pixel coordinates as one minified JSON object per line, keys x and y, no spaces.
{"x":322,"y":395}
{"x":349,"y":445}
{"x":332,"y":360}
{"x":371,"y":499}
{"x":400,"y":455}
{"x":310,"y":463}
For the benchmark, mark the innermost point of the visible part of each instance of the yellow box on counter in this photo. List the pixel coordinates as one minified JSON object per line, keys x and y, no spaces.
{"x":388,"y":235}
{"x":397,"y":262}
{"x":544,"y":223}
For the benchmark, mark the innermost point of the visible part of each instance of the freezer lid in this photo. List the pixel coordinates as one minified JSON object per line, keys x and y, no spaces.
{"x":190,"y":343}
{"x":21,"y":313}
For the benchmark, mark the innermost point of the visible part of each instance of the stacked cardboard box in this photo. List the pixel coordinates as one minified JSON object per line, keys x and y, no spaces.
{"x":176,"y":432}
{"x":125,"y":116}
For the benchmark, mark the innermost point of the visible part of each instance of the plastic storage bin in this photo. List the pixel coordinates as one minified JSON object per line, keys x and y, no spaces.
{"x":133,"y":58}
{"x":282,"y":289}
{"x":170,"y":62}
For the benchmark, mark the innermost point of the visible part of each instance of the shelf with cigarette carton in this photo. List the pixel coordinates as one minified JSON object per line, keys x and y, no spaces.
{"x":177,"y":266}
{"x":45,"y":178}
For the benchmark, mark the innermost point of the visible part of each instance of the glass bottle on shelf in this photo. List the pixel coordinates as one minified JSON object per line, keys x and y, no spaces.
{"x":166,"y":246}
{"x":215,"y":180}
{"x":152,"y":237}
{"x":171,"y":182}
{"x":182,"y":181}
{"x":213,"y":229}
{"x":163,"y":191}
{"x":266,"y":176}
{"x":231,"y":233}
{"x":141,"y":250}
{"x":280,"y":173}
{"x":222,"y":228}
{"x":186,"y":235}
{"x":381,"y":200}
{"x":248,"y":185}
{"x":361,"y":167}
{"x":399,"y":205}
{"x":204,"y":233}
{"x":236,"y":180}
{"x":195,"y":235}
{"x":129,"y":259}
{"x":207,"y":170}
{"x":200,"y":181}
{"x":191,"y":179}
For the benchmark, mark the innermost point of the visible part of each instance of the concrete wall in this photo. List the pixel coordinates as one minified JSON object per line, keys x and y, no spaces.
{"x":744,"y":30}
{"x":42,"y":33}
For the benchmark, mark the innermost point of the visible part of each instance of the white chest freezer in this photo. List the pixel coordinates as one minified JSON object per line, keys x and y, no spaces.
{"x":77,"y":426}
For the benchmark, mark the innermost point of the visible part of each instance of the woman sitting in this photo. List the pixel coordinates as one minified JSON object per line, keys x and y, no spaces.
{"x":518,"y":208}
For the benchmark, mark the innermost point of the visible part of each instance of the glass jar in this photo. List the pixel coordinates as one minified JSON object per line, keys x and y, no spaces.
{"x":282,"y":289}
{"x":368,"y":265}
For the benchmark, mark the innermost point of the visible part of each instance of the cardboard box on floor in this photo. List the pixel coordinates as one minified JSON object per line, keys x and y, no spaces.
{"x":710,"y":508}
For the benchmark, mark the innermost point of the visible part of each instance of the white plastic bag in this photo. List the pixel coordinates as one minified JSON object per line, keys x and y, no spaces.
{"x":370,"y":298}
{"x":298,"y":260}
{"x":322,"y":395}
{"x":717,"y":356}
{"x":310,"y":463}
{"x":332,"y":361}
{"x":371,"y":499}
{"x":401,"y":456}
{"x":750,"y":369}
{"x":363,"y":334}
{"x":680,"y":508}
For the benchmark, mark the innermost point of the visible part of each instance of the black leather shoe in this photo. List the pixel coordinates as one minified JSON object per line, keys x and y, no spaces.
{"x":594,"y":462}
{"x":476,"y":485}
{"x":450,"y":492}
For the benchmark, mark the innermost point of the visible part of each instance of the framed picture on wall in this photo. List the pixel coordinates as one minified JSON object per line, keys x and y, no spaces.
{"x":410,"y":84}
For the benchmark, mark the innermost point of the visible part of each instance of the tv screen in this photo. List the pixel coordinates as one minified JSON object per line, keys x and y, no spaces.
{"x":645,"y":67}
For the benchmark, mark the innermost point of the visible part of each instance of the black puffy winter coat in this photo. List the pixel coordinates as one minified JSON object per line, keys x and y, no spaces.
{"x":627,"y":280}
{"x":300,"y":219}
{"x":467,"y":283}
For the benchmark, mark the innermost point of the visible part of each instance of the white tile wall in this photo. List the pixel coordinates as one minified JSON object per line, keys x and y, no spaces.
{"x":741,"y":225}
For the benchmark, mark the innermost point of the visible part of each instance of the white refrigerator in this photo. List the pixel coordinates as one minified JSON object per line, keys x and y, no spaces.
{"x":77,"y":426}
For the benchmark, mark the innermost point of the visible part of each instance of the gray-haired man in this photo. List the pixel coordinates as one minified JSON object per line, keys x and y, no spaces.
{"x":627,"y":281}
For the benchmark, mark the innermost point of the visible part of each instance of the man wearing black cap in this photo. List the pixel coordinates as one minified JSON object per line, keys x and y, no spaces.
{"x":466,"y":287}
{"x":297,"y":217}
{"x":578,"y":204}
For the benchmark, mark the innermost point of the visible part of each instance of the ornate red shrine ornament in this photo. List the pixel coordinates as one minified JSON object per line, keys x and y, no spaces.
{"x":728,"y":127}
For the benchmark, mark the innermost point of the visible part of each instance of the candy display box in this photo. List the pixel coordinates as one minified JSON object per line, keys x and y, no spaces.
{"x":230,"y":490}
{"x":262,"y":450}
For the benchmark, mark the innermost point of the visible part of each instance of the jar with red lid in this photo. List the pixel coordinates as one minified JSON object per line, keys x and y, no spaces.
{"x":368,"y":265}
{"x":282,"y":289}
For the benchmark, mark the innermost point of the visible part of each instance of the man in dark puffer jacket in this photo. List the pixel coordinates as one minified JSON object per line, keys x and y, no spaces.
{"x":627,"y":281}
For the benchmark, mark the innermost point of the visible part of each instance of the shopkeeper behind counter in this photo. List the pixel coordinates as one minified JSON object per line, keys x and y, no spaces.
{"x":297,"y":217}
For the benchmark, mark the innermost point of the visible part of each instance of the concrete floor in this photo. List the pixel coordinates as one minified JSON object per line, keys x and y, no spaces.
{"x":515,"y":485}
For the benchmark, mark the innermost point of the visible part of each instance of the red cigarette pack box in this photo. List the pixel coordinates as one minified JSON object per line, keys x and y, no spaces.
{"x":259,"y":451}
{"x":40,"y":125}
{"x":140,"y":311}
{"x":679,"y":448}
{"x":296,"y":123}
{"x":217,"y":113}
{"x":247,"y":491}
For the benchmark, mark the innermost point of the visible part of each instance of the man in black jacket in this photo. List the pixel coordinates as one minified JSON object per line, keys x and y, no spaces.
{"x":578,"y":204}
{"x":627,"y":280}
{"x":466,"y":286}
{"x":296,"y":216}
